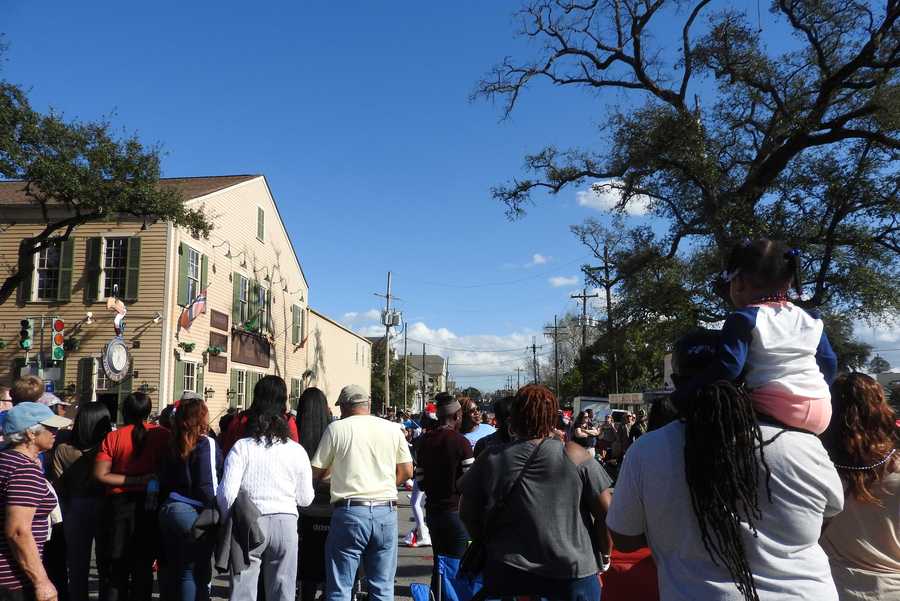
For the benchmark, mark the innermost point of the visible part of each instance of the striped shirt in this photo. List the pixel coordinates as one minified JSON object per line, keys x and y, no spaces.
{"x":22,"y":484}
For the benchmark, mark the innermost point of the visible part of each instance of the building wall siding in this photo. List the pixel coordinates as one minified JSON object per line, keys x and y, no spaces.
{"x":139,"y":324}
{"x":233,"y":212}
{"x":337,"y":358}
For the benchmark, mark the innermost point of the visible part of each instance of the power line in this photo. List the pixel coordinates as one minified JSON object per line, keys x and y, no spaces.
{"x":523,"y":358}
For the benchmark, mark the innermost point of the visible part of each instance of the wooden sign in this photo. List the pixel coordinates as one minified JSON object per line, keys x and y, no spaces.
{"x":218,"y":320}
{"x":250,"y":349}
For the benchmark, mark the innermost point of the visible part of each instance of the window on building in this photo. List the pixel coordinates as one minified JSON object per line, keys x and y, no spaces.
{"x":193,"y":274}
{"x":48,"y":273}
{"x":244,"y":300}
{"x":356,"y":360}
{"x":260,"y":224}
{"x":190,"y":377}
{"x":241,"y":392}
{"x":115,"y":266}
{"x":261,"y":295}
{"x":104,"y":384}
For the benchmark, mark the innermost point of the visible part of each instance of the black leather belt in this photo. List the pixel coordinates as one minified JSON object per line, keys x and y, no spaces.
{"x":364,"y":503}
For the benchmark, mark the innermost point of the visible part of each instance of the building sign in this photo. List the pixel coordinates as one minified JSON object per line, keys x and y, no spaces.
{"x":218,"y":364}
{"x":218,"y":320}
{"x":250,"y":349}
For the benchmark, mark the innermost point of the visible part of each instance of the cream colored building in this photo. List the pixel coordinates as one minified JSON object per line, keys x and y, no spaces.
{"x":337,"y":357}
{"x":257,"y":319}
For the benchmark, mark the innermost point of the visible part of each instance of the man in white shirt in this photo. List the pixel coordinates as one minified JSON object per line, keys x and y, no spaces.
{"x":367,"y":458}
{"x":652,"y":505}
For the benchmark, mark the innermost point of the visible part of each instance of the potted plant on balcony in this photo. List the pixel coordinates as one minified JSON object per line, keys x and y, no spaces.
{"x":187,"y":347}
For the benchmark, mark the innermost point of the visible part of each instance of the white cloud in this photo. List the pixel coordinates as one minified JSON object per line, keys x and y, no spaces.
{"x":604,"y":196}
{"x":538,"y":259}
{"x":354,"y":317}
{"x":561,"y":280}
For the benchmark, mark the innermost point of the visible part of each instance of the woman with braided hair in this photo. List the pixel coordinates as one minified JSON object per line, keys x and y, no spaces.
{"x":730,"y":506}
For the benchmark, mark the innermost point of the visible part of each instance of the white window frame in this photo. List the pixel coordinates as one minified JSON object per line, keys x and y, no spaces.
{"x":193,"y":273}
{"x":240,"y":394}
{"x":193,"y":376}
{"x":101,"y":285}
{"x":100,"y":377}
{"x":35,"y":275}
{"x":244,"y":299}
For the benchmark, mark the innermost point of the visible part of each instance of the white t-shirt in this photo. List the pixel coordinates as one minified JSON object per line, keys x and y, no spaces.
{"x":362,"y":452}
{"x":278,"y":479}
{"x":651,"y":497}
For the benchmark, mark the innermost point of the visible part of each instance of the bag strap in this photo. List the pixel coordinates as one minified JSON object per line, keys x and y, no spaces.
{"x":501,"y":503}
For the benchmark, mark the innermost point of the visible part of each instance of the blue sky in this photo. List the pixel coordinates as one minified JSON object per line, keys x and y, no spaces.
{"x":358,"y":115}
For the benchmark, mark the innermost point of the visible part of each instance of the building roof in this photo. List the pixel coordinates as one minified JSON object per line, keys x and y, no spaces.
{"x":434,"y":364}
{"x":12,"y":192}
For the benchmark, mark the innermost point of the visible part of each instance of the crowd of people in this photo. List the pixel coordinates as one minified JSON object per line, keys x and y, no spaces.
{"x":765,"y":475}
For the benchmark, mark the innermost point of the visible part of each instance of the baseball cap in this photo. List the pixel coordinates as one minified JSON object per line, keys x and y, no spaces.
{"x":25,"y":415}
{"x":694,"y":352}
{"x":352,"y":395}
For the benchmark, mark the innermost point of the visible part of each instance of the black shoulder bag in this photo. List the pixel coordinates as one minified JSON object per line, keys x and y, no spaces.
{"x":475,"y":558}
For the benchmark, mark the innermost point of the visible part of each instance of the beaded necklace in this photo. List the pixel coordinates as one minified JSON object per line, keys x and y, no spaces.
{"x":772,"y":298}
{"x":867,"y":467}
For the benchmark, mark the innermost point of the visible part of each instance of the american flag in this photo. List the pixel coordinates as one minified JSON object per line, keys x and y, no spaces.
{"x":190,"y":313}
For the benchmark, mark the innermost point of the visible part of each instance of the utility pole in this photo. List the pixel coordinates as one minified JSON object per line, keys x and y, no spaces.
{"x":518,"y":377}
{"x":584,"y":296}
{"x":387,"y":344}
{"x":555,"y":333}
{"x":423,"y":375}
{"x":406,"y":369}
{"x":447,"y":377}
{"x":534,"y":358}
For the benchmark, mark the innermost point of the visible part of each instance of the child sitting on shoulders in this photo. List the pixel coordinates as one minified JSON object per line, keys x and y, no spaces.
{"x":778,"y":349}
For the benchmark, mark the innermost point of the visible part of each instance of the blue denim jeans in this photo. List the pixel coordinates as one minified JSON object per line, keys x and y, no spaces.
{"x":186,"y":568}
{"x":367,"y":535}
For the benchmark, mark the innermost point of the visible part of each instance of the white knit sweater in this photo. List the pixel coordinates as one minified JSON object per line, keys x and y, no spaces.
{"x":277,"y":479}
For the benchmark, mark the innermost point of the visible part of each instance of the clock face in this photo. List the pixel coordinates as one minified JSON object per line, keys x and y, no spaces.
{"x":116,"y":360}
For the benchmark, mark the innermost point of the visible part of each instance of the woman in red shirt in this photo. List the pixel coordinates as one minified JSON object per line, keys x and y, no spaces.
{"x":127,"y":460}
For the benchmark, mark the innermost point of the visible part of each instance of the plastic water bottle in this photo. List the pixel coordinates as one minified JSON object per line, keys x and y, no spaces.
{"x":152,"y":495}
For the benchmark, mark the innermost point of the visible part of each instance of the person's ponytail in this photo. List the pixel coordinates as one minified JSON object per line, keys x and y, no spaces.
{"x":135,"y":410}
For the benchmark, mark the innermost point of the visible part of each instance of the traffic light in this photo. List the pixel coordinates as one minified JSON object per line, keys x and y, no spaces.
{"x":26,"y":334}
{"x":57,"y":350}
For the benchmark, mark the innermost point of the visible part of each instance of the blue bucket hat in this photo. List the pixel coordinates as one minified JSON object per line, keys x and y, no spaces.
{"x":26,"y":415}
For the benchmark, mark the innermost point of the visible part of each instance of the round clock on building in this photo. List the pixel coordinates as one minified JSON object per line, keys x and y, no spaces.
{"x":116,"y":360}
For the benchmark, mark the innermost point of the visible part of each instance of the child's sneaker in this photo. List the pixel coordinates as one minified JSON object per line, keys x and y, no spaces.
{"x":410,"y":540}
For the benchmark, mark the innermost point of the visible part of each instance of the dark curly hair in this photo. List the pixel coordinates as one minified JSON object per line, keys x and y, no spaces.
{"x":534,"y":411}
{"x":862,"y":430}
{"x":266,"y":419}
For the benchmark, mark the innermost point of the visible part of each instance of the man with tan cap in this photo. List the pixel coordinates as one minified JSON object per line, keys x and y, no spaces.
{"x":367,"y":458}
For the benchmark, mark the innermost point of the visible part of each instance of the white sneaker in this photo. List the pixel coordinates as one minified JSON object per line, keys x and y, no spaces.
{"x":410,"y":540}
{"x":425,"y":542}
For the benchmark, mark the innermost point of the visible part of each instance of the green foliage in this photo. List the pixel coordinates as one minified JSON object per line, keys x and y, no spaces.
{"x":471,"y":393}
{"x":397,"y":378}
{"x":78,"y":172}
{"x":879,"y":365}
{"x":798,"y":145}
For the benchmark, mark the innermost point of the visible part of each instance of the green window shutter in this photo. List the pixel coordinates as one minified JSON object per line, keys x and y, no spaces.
{"x":295,"y":390}
{"x":134,"y":268}
{"x":236,"y":299}
{"x":269,"y":325}
{"x":232,"y":399}
{"x":178,"y":387}
{"x":254,"y":305}
{"x":66,"y":254}
{"x":27,"y":264}
{"x":183,"y":299}
{"x":92,"y":269}
{"x":124,"y":389}
{"x":85,"y":382}
{"x":250,"y":380}
{"x":260,"y":223}
{"x":295,"y":324}
{"x":204,"y":272}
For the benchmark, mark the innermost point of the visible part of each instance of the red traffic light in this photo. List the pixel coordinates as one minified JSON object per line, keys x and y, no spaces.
{"x":58,"y":325}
